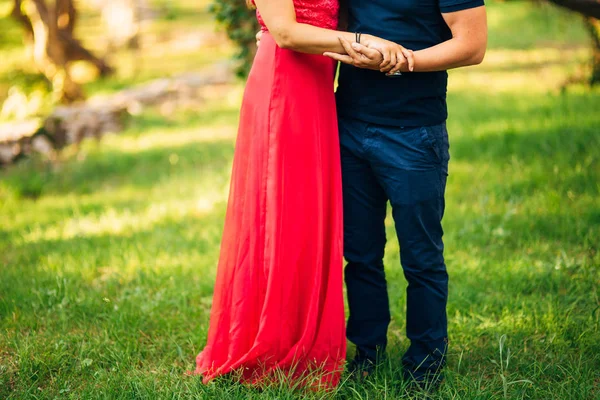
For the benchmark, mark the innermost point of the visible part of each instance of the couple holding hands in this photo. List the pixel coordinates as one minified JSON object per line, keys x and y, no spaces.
{"x":312,"y":175}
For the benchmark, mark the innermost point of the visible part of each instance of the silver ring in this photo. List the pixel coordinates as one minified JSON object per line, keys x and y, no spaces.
{"x":397,"y":73}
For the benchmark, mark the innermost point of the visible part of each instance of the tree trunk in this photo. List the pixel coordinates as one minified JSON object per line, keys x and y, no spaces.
{"x":589,"y":8}
{"x":49,"y":51}
{"x":593,"y":26}
{"x":66,"y":15}
{"x":17,"y":14}
{"x":51,"y":26}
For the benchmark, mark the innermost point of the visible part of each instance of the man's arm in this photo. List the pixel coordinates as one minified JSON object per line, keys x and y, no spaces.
{"x":467,"y":46}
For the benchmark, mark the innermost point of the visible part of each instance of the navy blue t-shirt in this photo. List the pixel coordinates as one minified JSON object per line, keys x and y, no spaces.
{"x":413,"y":99}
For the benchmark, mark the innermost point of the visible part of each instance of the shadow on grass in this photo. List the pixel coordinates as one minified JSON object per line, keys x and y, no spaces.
{"x":529,"y":67}
{"x":184,"y":248}
{"x":123,"y":301}
{"x":110,"y":169}
{"x":536,"y":145}
{"x":136,"y":295}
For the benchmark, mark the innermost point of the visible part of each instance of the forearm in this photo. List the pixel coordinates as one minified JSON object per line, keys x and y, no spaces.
{"x":310,"y":39}
{"x":454,"y":53}
{"x":467,"y":46}
{"x":280,"y":18}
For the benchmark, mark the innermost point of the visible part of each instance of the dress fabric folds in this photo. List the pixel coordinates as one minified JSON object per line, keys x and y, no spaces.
{"x":278,"y":302}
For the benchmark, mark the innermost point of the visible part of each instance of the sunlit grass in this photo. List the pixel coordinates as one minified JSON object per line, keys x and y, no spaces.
{"x":527,"y":25}
{"x":107,"y":259}
{"x":541,"y":70}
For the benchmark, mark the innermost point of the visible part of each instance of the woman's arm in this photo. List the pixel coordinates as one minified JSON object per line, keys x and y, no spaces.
{"x":280,"y":18}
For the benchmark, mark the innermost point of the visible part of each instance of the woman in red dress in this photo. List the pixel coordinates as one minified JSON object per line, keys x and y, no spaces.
{"x":278,"y":300}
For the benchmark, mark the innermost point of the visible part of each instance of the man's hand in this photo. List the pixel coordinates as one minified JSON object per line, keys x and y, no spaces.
{"x":376,"y":54}
{"x":358,"y":55}
{"x":395,"y":57}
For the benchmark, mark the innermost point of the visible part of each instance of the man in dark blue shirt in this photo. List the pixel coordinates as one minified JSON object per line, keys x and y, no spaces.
{"x":394,"y":148}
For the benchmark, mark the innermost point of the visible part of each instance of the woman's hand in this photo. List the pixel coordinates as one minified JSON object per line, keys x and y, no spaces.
{"x":376,"y":54}
{"x":357,"y":55}
{"x":395,"y":57}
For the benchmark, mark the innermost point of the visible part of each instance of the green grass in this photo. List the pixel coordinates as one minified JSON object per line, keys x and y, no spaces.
{"x":107,"y":260}
{"x":523,"y":25}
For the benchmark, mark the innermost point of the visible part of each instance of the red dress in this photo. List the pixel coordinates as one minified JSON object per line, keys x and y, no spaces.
{"x":278,"y":301}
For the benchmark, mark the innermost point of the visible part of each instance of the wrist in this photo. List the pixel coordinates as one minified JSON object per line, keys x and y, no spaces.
{"x":415,"y":63}
{"x":366,"y":39}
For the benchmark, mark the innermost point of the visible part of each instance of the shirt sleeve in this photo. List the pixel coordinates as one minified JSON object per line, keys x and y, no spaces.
{"x":447,"y":6}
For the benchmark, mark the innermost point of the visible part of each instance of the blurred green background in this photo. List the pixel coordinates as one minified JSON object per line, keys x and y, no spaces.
{"x":108,"y":248}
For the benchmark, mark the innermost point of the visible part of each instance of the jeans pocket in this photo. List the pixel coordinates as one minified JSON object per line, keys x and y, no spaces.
{"x":429,"y":140}
{"x":436,"y":137}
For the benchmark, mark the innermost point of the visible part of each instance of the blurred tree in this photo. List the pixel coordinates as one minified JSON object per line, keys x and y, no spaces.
{"x":241,"y":27}
{"x":122,"y":19}
{"x":591,"y":10}
{"x":48,"y":27}
{"x":593,"y":26}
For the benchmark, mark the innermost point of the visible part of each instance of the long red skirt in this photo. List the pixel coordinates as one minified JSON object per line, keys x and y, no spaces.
{"x":278,"y":302}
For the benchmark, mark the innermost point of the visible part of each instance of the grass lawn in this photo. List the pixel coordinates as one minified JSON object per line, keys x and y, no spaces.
{"x":107,"y":260}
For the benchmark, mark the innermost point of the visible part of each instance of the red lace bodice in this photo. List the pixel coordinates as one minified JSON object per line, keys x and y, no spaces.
{"x":321,"y":13}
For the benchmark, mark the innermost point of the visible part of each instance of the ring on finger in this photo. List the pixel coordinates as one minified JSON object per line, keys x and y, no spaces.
{"x":393,"y":74}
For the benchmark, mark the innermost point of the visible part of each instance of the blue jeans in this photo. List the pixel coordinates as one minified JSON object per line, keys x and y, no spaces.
{"x":408,"y":167}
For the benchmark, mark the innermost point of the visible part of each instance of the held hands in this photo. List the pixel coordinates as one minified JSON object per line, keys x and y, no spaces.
{"x":376,"y":54}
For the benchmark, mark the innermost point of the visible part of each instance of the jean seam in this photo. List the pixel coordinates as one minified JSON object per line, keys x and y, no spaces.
{"x":431,"y":143}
